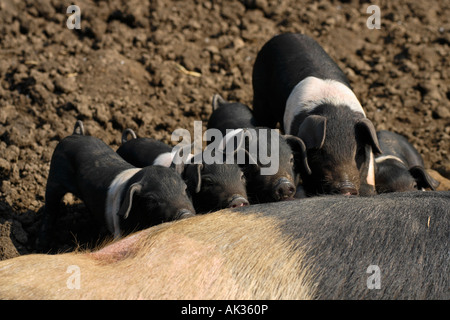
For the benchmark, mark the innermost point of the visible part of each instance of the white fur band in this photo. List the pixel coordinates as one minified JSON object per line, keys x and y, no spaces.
{"x":388,"y":157}
{"x":312,"y":92}
{"x":165,"y":159}
{"x":113,"y":200}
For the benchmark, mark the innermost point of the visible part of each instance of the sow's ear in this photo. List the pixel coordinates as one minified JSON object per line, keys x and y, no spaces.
{"x":298,"y":147}
{"x":312,"y":131}
{"x":424,"y":180}
{"x":128,"y":202}
{"x":193,"y":175}
{"x":217,"y":101}
{"x":366,"y":128}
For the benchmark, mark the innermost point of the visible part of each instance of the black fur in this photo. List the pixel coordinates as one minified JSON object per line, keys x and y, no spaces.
{"x":338,"y":139}
{"x":405,"y":234}
{"x":211,"y":186}
{"x":281,"y":64}
{"x":392,"y":175}
{"x":149,"y":148}
{"x":85,"y":166}
{"x":260,"y":188}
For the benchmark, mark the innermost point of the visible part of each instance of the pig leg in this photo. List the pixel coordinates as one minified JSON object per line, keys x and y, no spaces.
{"x":53,"y":198}
{"x":58,"y":184}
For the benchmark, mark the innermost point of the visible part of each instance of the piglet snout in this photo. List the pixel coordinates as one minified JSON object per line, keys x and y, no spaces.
{"x":238,"y":201}
{"x":184,"y":213}
{"x":284,"y":189}
{"x":347,"y":188}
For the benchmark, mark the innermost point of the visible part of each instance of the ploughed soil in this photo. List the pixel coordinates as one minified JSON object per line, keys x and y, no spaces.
{"x":154,"y":66}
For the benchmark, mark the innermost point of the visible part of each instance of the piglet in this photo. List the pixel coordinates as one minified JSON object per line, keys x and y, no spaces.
{"x":230,"y":118}
{"x":298,"y":85}
{"x":142,"y":152}
{"x":212,"y":186}
{"x":401,"y":167}
{"x":125,"y":197}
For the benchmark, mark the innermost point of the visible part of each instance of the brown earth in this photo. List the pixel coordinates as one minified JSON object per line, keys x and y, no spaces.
{"x":155,"y":65}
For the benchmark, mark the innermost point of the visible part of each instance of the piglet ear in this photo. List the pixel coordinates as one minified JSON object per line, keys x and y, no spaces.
{"x":424,"y":180}
{"x":251,"y":165}
{"x":179,"y":168}
{"x":125,"y":134}
{"x":299,"y":148}
{"x":238,"y":136}
{"x":366,"y":127}
{"x":193,"y":176}
{"x":312,"y":131}
{"x":217,"y":101}
{"x":78,"y":128}
{"x":181,"y":155}
{"x":199,"y":177}
{"x":127,"y":202}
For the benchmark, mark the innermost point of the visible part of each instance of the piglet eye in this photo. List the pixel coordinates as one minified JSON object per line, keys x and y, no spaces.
{"x":207,"y":183}
{"x":291,"y":160}
{"x":415,"y":186}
